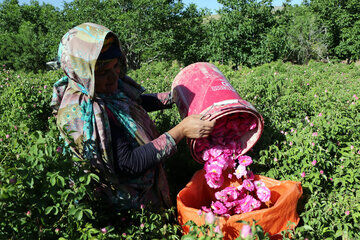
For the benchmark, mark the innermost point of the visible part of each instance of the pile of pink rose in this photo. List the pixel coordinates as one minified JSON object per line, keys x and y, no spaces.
{"x":221,"y":153}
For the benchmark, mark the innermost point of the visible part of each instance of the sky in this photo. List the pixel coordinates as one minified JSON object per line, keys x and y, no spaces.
{"x":213,"y":5}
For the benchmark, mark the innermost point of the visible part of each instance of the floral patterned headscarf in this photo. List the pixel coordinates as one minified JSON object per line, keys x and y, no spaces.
{"x":81,"y":113}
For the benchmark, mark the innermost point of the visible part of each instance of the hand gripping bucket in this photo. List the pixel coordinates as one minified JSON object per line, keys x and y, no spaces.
{"x":201,"y":88}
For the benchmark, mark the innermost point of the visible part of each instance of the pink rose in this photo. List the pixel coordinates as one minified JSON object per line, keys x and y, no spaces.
{"x":59,"y":149}
{"x":245,"y":160}
{"x":215,"y":151}
{"x":246,"y":231}
{"x":219,"y":208}
{"x":205,"y":209}
{"x":214,"y":176}
{"x":209,"y":218}
{"x":256,"y":204}
{"x":211,"y":166}
{"x":244,"y":205}
{"x":227,"y":194}
{"x":248,"y":185}
{"x":259,"y":184}
{"x":240,"y":171}
{"x":263,"y":193}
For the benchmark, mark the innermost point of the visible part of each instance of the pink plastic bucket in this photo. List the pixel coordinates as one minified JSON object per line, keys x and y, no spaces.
{"x":201,"y":88}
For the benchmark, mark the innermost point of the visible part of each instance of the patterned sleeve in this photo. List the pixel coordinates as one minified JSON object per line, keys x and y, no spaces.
{"x":157,"y":101}
{"x":133,"y":160}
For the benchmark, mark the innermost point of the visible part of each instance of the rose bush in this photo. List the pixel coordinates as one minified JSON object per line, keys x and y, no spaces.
{"x":44,"y":195}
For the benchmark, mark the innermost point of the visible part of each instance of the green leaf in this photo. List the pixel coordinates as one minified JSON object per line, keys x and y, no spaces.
{"x":72,"y":210}
{"x":91,"y":176}
{"x":186,"y":237}
{"x":307,"y":227}
{"x":62,"y":181}
{"x":79,"y":214}
{"x":53,"y":180}
{"x":338,"y":233}
{"x":89,"y":213}
{"x":48,"y":210}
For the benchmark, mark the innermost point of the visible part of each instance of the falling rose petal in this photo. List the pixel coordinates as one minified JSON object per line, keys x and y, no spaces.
{"x":245,"y":160}
{"x":263,"y":193}
{"x":240,"y":171}
{"x":259,"y":184}
{"x":248,"y":185}
{"x":245,"y":204}
{"x":221,"y":153}
{"x":205,"y":209}
{"x":219,"y":208}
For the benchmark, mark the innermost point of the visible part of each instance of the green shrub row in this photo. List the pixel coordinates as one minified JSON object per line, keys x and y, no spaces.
{"x":248,"y":32}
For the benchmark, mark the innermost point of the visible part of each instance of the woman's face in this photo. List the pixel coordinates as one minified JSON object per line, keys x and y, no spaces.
{"x":106,"y":78}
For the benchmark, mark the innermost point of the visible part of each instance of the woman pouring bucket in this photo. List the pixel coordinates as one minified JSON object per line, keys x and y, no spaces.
{"x":102,"y":113}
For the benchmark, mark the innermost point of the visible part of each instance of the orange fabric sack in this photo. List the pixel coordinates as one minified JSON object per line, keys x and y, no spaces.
{"x":274,"y":219}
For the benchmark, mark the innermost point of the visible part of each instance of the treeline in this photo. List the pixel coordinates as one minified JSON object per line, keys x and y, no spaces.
{"x":246,"y":32}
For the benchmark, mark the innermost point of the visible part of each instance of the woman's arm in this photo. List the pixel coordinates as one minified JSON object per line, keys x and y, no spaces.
{"x":133,"y":160}
{"x":156,"y":101}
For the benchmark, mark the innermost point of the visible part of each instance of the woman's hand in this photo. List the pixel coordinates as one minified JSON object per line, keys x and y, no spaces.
{"x":192,"y":127}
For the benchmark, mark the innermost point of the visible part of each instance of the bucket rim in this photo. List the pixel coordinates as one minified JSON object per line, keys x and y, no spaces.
{"x":232,"y":110}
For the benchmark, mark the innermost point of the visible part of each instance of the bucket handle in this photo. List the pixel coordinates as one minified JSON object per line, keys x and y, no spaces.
{"x":225,"y":102}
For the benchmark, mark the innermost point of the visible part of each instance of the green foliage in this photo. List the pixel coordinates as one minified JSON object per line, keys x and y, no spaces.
{"x":248,"y":32}
{"x":204,"y":232}
{"x":236,"y":36}
{"x":46,"y":193}
{"x":340,"y":17}
{"x":148,"y":30}
{"x":210,"y":231}
{"x":29,"y":34}
{"x":305,"y":38}
{"x":311,"y":113}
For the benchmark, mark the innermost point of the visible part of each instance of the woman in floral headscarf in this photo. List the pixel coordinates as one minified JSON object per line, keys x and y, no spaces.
{"x":101,"y":113}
